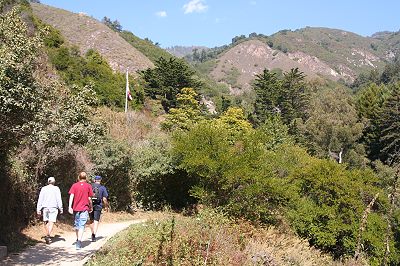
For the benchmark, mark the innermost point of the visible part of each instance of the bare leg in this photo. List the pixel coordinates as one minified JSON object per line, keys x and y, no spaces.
{"x":80,"y":233}
{"x":45,"y":227}
{"x":91,"y":226}
{"x":49,"y":228}
{"x":95,"y":227}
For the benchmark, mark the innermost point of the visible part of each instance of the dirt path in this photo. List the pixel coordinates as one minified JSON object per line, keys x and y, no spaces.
{"x":62,"y":250}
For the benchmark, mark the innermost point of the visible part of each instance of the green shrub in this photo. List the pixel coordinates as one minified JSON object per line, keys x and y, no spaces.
{"x":112,"y":161}
{"x":329,"y":204}
{"x":156,"y":180}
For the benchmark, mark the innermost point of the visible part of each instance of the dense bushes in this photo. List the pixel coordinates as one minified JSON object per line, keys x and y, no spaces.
{"x":328,"y":205}
{"x":240,"y":171}
{"x":41,"y":122}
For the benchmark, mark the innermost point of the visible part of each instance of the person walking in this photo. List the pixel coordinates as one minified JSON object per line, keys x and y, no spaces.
{"x":100,"y":196}
{"x":80,"y":205}
{"x":49,"y":205}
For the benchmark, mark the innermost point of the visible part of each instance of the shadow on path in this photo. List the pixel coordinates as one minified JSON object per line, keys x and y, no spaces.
{"x":62,"y":249}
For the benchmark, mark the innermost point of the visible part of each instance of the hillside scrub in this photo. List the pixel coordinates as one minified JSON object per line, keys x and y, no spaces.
{"x":321,"y":199}
{"x":259,"y":175}
{"x":44,"y":124}
{"x":208,"y":238}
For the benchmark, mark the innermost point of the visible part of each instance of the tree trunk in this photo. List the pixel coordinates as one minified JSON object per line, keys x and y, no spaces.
{"x":362,"y":226}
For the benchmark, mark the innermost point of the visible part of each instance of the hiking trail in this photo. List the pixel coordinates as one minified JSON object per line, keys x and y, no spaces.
{"x":62,"y":249}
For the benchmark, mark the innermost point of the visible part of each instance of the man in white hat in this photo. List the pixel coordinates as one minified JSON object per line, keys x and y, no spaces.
{"x":48,"y":205}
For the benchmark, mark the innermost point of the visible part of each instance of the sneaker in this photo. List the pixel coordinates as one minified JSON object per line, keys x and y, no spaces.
{"x":47,"y":239}
{"x":78,"y":245}
{"x":93,"y":238}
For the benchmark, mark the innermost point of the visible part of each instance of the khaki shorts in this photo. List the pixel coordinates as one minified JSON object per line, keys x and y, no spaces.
{"x":50,"y":214}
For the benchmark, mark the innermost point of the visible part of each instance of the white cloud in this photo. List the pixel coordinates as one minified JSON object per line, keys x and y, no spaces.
{"x":161,"y":14}
{"x":195,"y":6}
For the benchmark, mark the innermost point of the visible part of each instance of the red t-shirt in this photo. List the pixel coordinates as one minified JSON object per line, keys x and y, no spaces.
{"x":82,"y":191}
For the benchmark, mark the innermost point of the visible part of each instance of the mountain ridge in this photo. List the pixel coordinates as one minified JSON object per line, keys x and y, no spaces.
{"x":88,"y":33}
{"x":318,"y":52}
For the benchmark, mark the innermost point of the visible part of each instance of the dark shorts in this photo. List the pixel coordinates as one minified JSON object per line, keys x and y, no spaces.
{"x":95,"y":214}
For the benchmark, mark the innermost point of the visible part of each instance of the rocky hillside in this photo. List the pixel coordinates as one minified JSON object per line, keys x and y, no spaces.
{"x":239,"y":65}
{"x":88,"y":33}
{"x":328,"y":53}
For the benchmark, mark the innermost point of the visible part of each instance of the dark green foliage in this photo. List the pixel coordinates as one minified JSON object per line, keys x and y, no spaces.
{"x":389,"y":123}
{"x":294,"y":96}
{"x":226,"y":102}
{"x":391,"y":73}
{"x":332,"y":124}
{"x":237,"y":39}
{"x":370,"y":102}
{"x":113,"y":163}
{"x":21,"y":97}
{"x":231,"y":169}
{"x":267,"y":88}
{"x":329,"y":206}
{"x":156,"y":179}
{"x":53,"y":38}
{"x":288,"y":96}
{"x":167,"y":79}
{"x":91,"y":69}
{"x":114,"y":25}
{"x":147,"y":48}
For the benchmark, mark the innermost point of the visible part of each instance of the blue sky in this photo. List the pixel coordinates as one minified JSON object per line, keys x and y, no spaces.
{"x":215,"y":22}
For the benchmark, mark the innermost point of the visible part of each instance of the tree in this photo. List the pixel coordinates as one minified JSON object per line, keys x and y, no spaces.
{"x":391,"y":73}
{"x":329,"y":207}
{"x":390,"y":127}
{"x":333,"y":123}
{"x":114,"y":25}
{"x":37,"y":115}
{"x":294,"y":96}
{"x":370,"y":101}
{"x":187,"y":112}
{"x":288,"y":97}
{"x":167,"y":79}
{"x":21,"y":96}
{"x":234,"y":121}
{"x":267,"y":88}
{"x":238,"y":38}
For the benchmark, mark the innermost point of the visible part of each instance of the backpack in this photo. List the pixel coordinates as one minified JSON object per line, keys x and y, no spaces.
{"x":96,"y":195}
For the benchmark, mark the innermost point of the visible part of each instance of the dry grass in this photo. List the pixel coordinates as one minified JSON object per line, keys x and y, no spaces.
{"x":130,"y":127}
{"x":209,"y":239}
{"x":287,"y":249}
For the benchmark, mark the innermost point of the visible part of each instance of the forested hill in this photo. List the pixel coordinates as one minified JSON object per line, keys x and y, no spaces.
{"x":330,"y":53}
{"x":87,"y":33}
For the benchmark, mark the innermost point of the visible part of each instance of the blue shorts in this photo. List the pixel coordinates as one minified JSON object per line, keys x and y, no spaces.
{"x":80,"y":219}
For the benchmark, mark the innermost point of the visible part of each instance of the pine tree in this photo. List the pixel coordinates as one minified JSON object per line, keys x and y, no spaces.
{"x":390,"y":127}
{"x":267,"y":88}
{"x":294,"y":96}
{"x":167,"y":79}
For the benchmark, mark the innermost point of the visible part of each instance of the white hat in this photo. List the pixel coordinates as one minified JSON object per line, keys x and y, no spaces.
{"x":51,"y":180}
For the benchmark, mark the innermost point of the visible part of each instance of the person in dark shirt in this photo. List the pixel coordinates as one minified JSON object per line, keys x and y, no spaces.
{"x":99,"y":200}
